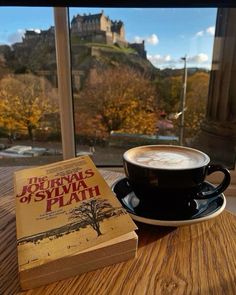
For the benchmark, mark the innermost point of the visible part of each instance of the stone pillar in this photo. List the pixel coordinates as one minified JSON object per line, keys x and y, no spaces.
{"x":218,"y":131}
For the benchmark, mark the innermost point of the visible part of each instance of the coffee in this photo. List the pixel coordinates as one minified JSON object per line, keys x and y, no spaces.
{"x":163,"y":157}
{"x":168,"y":173}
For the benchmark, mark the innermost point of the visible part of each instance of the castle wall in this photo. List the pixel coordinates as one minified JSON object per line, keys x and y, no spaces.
{"x":105,"y":23}
{"x":82,"y":28}
{"x":99,"y":37}
{"x":122,"y":33}
{"x":96,"y":37}
{"x":116,"y":38}
{"x":139,"y":47}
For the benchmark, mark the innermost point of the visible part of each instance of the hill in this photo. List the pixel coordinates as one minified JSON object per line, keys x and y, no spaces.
{"x":39,"y":57}
{"x":96,"y":57}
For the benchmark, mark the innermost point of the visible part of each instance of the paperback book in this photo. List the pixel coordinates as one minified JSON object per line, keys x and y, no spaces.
{"x":66,"y":214}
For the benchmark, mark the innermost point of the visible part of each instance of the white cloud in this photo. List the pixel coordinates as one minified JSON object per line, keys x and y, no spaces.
{"x":199,"y":34}
{"x":38,"y":31}
{"x":208,"y":31}
{"x":16,"y":36}
{"x":157,"y":59}
{"x":162,"y":61}
{"x":152,"y":39}
{"x":138,"y":39}
{"x":211,"y":31}
{"x":198,"y":58}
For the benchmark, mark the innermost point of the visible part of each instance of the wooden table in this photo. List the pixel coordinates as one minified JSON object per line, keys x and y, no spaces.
{"x":196,"y":259}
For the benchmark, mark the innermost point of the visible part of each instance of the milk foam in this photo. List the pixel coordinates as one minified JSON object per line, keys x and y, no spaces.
{"x":169,"y":159}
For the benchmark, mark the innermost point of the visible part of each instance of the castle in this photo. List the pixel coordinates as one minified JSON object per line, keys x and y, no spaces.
{"x":98,"y":28}
{"x":91,"y":28}
{"x":45,"y":35}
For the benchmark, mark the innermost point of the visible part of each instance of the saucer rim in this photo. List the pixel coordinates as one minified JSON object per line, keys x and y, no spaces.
{"x":174,"y":223}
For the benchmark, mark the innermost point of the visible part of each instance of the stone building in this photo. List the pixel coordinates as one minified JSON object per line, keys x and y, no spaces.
{"x":140,"y":48}
{"x":94,"y":28}
{"x":32,"y":36}
{"x":98,"y":28}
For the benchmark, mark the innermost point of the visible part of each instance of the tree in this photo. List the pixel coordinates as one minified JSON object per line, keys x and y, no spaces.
{"x":169,"y":93}
{"x":91,"y":212}
{"x":25,"y":99}
{"x":117,"y":99}
{"x":196,"y":100}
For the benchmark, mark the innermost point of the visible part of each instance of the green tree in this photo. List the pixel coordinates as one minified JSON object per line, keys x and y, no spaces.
{"x":25,"y":99}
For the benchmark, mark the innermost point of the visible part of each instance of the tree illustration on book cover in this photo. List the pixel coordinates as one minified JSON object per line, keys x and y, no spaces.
{"x":94,"y":211}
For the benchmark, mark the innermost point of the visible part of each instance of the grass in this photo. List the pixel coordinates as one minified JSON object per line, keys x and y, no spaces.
{"x":108,"y":47}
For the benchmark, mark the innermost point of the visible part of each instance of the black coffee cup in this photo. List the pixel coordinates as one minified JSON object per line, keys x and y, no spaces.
{"x":171,"y":174}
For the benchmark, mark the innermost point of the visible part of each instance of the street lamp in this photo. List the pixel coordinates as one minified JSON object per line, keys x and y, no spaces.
{"x":183,"y":100}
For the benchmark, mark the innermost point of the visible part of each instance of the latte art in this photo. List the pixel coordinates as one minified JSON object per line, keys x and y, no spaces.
{"x":167,"y":158}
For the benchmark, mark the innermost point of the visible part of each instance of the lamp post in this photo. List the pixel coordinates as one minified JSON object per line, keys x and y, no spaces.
{"x":183,"y":100}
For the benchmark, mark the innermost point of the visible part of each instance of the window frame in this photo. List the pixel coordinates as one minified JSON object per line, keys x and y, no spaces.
{"x":64,"y":74}
{"x":61,"y":15}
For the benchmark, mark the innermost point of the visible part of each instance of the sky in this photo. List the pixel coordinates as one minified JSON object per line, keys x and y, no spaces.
{"x":169,"y":33}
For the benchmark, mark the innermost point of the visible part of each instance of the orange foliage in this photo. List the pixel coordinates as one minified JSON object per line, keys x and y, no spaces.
{"x":196,"y":101}
{"x":117,"y":99}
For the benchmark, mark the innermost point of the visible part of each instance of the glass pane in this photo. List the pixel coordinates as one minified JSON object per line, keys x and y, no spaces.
{"x":140,"y":76}
{"x":30,"y":121}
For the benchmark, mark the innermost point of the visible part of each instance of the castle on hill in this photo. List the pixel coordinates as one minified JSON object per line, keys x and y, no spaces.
{"x":94,"y":28}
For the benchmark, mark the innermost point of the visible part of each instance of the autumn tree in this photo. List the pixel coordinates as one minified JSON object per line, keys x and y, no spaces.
{"x":92,"y":212}
{"x":25,"y":99}
{"x":117,"y":99}
{"x":169,"y":93}
{"x":196,"y":100}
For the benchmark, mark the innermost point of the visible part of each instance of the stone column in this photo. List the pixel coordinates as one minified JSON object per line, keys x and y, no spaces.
{"x":218,"y":131}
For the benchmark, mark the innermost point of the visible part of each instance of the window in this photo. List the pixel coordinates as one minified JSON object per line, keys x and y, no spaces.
{"x":30,"y":119}
{"x":169,"y":56}
{"x":128,"y":80}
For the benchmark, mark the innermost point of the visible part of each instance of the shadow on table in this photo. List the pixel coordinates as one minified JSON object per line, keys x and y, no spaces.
{"x":149,"y":233}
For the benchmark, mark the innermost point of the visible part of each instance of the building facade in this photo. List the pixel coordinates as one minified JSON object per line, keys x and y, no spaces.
{"x":98,"y":28}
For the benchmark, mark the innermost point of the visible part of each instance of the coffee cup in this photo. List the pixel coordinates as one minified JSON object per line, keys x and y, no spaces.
{"x":171,"y":174}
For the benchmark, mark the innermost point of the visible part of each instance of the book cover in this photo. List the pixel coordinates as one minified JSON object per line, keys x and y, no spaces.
{"x":63,"y":209}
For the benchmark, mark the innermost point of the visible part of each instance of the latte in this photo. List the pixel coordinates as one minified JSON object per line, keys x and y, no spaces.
{"x":166,"y":157}
{"x":169,"y":174}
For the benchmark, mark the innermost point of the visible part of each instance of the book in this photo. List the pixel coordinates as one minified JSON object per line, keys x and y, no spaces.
{"x":68,"y":221}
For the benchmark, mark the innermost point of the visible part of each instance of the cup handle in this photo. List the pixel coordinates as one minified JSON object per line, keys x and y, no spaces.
{"x":221,"y":187}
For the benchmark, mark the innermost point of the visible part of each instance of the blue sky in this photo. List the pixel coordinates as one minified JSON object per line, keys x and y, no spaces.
{"x":169,"y":33}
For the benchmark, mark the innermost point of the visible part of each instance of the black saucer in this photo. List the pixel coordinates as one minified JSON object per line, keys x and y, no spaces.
{"x":152,"y":213}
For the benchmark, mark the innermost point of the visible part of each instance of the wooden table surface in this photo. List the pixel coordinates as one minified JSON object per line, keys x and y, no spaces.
{"x":195,"y":259}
